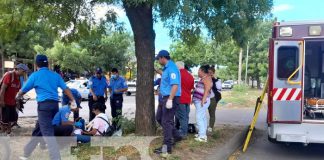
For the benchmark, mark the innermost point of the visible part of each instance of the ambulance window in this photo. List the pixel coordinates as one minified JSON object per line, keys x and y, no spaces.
{"x":287,"y":62}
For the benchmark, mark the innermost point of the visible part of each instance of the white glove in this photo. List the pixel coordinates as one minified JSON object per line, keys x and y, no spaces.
{"x":169,"y":104}
{"x":73,"y":105}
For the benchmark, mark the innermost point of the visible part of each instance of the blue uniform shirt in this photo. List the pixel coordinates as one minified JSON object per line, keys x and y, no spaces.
{"x":117,"y":84}
{"x":76,"y":95}
{"x":61,"y":116}
{"x":170,"y":76}
{"x":46,"y":83}
{"x":97,"y":85}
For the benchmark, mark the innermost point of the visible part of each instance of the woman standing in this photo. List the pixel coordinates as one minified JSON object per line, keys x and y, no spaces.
{"x":201,"y":100}
{"x":214,"y":98}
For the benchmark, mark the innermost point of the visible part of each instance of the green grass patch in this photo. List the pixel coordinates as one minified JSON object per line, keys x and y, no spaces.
{"x":240,"y":97}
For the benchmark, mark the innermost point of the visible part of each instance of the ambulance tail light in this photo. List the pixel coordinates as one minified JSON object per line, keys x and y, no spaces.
{"x":285,"y":32}
{"x":315,"y":30}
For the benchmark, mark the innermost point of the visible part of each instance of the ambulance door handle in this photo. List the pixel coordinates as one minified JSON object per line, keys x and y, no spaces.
{"x":289,"y":81}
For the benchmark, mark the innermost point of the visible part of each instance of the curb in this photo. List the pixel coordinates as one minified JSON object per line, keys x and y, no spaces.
{"x":231,"y":146}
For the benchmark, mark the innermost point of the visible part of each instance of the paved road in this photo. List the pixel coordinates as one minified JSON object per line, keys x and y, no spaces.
{"x":261,"y":149}
{"x":223,"y":115}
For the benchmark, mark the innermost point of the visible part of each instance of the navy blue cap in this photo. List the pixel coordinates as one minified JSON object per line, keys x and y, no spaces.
{"x":98,"y":70}
{"x":41,"y":58}
{"x":162,"y":53}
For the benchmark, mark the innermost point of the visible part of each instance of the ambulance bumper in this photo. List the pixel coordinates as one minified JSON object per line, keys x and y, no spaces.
{"x":300,"y":133}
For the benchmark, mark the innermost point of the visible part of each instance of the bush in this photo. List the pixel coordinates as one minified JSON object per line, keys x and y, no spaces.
{"x":240,"y":88}
{"x":128,"y":125}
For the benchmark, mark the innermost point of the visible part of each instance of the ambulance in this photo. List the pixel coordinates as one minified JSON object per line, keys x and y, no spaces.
{"x":296,"y":82}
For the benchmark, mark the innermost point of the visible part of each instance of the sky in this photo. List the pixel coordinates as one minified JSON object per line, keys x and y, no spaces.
{"x":284,"y":10}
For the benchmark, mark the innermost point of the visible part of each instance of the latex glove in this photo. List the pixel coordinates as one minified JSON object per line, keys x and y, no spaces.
{"x":169,"y":104}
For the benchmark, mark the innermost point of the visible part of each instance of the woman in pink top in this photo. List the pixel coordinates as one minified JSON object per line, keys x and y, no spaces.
{"x":201,"y":99}
{"x":97,"y":126}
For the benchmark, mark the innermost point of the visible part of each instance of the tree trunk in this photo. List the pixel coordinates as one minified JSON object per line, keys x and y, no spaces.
{"x":240,"y":67}
{"x":141,"y":20}
{"x":258,"y":82}
{"x":252,"y":86}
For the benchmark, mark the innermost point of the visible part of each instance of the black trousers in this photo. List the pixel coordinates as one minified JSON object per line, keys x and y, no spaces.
{"x":101,"y":99}
{"x":116,"y":103}
{"x":165,"y":117}
{"x":63,"y":130}
{"x":9,"y":114}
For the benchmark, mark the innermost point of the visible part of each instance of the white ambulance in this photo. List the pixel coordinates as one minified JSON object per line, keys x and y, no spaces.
{"x":296,"y":82}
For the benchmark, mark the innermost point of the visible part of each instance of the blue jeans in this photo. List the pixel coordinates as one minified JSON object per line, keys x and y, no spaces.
{"x":83,"y":138}
{"x":201,"y":117}
{"x":44,"y":130}
{"x":182,"y":115}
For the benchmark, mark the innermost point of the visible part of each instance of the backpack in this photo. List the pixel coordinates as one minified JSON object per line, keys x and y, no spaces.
{"x":109,"y":131}
{"x":11,"y":79}
{"x":218,"y":95}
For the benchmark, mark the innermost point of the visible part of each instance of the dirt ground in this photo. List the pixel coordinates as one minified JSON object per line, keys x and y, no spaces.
{"x":187,"y":149}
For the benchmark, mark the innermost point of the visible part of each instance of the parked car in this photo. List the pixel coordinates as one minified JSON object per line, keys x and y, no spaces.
{"x":131,"y":88}
{"x":227,"y":85}
{"x":80,"y":85}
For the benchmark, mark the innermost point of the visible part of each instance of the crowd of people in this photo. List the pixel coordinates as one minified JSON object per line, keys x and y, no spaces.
{"x":177,"y":91}
{"x":52,"y":120}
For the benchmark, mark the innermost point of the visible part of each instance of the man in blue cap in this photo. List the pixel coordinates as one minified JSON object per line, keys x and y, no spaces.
{"x":170,"y":89}
{"x":46,"y":84}
{"x":98,"y":91}
{"x":77,"y":96}
{"x":117,"y":87}
{"x":9,"y":87}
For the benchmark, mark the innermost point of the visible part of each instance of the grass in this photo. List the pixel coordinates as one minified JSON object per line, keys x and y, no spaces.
{"x":240,"y":97}
{"x":185,"y":150}
{"x":191,"y":149}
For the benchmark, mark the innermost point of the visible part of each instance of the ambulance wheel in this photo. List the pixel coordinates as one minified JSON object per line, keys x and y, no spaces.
{"x":272,"y":140}
{"x":128,"y":93}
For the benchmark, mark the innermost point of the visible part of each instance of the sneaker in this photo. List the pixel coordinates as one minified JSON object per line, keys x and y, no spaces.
{"x":210,"y":129}
{"x":196,"y":135}
{"x":23,"y":158}
{"x":158,"y":150}
{"x":201,"y":139}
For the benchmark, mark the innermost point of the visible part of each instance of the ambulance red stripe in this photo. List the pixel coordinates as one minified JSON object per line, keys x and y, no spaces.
{"x":286,"y":94}
{"x":282,"y":93}
{"x":291,"y":94}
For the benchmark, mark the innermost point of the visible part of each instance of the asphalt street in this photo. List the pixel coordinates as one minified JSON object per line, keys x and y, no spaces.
{"x":223,"y":115}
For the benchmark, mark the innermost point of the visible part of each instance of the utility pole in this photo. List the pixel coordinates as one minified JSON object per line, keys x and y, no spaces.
{"x":240,"y":67}
{"x":246,"y":63}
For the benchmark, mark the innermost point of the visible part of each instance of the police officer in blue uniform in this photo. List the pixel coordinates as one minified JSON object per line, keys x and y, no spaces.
{"x":62,"y":125}
{"x":170,"y":89}
{"x":117,"y":87}
{"x":98,"y":91}
{"x":46,"y":83}
{"x":77,"y":96}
